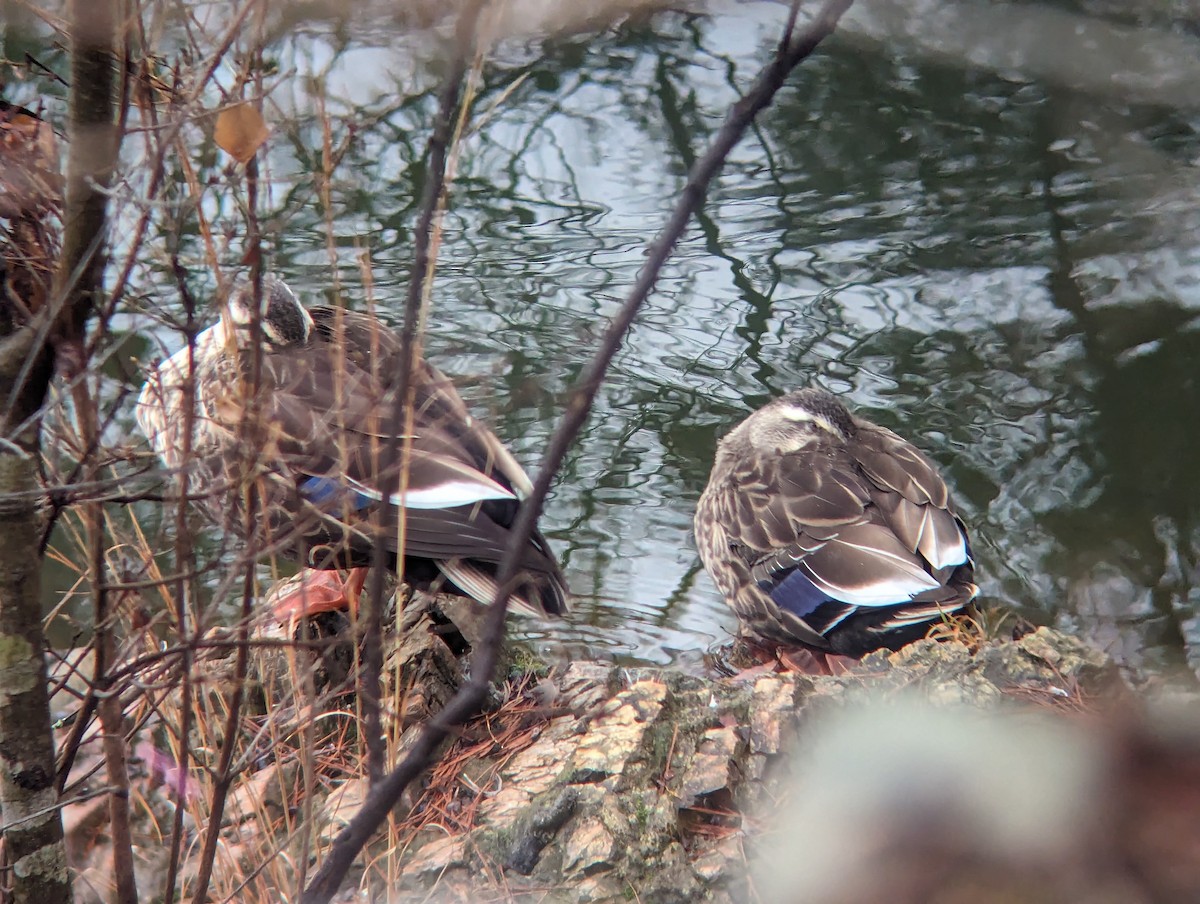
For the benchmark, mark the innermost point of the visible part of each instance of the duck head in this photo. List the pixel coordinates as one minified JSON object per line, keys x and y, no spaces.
{"x":283,"y":321}
{"x":790,"y":423}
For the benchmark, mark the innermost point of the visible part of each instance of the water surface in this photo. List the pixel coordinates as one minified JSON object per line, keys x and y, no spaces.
{"x":973,"y":231}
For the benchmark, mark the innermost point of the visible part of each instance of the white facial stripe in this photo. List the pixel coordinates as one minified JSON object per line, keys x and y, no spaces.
{"x":272,"y":334}
{"x":804,"y":416}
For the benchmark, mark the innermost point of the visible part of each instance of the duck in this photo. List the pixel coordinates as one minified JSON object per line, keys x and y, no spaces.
{"x":315,"y":442}
{"x":830,"y":534}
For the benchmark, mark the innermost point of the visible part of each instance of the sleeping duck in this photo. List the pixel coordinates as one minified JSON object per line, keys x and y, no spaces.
{"x":315,"y":441}
{"x":826,"y":531}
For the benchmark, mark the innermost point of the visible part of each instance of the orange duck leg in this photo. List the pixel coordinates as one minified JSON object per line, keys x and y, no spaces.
{"x":314,"y":591}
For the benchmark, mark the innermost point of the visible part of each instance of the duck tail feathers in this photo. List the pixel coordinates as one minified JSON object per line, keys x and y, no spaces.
{"x":535,"y":594}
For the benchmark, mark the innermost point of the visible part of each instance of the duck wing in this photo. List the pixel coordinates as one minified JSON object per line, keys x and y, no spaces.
{"x":816,"y":530}
{"x":330,"y":423}
{"x":372,"y":348}
{"x":912,"y":498}
{"x":337,"y":479}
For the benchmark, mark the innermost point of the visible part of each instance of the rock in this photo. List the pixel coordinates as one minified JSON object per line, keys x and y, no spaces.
{"x":435,"y":858}
{"x":587,"y":849}
{"x":340,"y":806}
{"x":709,"y":771}
{"x":644,"y":785}
{"x":266,"y":795}
{"x":616,"y":733}
{"x":611,"y":784}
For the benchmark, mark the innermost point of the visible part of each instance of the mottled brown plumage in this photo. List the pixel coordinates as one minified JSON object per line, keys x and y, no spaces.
{"x":329,"y":479}
{"x":823,"y":529}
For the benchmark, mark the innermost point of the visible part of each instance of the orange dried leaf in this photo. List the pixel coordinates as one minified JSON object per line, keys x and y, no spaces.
{"x":240,"y":131}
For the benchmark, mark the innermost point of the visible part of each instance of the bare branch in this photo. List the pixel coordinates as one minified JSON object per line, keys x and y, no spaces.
{"x":252,"y":428}
{"x":351,"y":840}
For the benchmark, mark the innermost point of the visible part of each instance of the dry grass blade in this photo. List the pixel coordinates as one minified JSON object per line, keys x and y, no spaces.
{"x":410,"y":351}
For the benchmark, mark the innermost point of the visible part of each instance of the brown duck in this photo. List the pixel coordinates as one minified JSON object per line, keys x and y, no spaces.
{"x":328,"y":478}
{"x":827,"y":531}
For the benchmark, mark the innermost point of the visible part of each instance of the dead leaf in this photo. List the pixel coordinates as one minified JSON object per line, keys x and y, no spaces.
{"x":240,"y":131}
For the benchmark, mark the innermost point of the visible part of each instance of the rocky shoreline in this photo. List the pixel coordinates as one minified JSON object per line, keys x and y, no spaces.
{"x":1009,"y":762}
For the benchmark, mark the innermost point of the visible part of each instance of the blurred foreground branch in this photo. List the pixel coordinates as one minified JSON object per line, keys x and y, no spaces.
{"x":794,"y":48}
{"x":46,"y":304}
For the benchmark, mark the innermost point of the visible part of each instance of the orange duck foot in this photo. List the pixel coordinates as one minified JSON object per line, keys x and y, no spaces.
{"x":814,"y":662}
{"x":772,"y":656}
{"x":312,"y":592}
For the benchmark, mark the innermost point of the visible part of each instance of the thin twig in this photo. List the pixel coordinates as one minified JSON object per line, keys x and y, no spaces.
{"x":183,"y":549}
{"x":80,"y":287}
{"x":252,"y":428}
{"x":410,"y":352}
{"x":157,"y":168}
{"x":59,"y":501}
{"x":307,"y":729}
{"x":467,"y":701}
